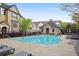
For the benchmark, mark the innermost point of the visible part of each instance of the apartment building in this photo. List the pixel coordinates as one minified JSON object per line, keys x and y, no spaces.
{"x":8,"y":18}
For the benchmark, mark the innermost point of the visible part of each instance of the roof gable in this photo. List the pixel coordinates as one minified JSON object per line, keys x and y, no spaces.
{"x":14,"y":8}
{"x":10,"y":7}
{"x":40,"y":24}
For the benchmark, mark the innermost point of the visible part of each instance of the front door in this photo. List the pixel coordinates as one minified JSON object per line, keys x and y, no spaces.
{"x":4,"y":30}
{"x":47,"y":30}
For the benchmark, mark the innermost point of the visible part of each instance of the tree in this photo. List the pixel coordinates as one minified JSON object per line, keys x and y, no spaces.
{"x":63,"y":26}
{"x":24,"y":24}
{"x":72,"y":9}
{"x":75,"y":17}
{"x":74,"y":28}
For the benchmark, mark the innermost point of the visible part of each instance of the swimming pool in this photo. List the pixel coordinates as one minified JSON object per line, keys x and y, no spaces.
{"x":43,"y":40}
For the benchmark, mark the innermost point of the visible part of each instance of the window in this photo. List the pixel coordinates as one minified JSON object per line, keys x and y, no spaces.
{"x":14,"y":15}
{"x":1,"y":11}
{"x":52,"y":30}
{"x":0,"y":29}
{"x":42,"y":30}
{"x":4,"y":12}
{"x":14,"y":24}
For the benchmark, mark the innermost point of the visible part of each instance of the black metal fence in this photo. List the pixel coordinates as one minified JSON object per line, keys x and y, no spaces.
{"x":13,"y":34}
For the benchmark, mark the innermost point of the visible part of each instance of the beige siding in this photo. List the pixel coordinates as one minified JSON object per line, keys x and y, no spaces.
{"x":15,"y":26}
{"x":8,"y":19}
{"x":2,"y":18}
{"x":56,"y":30}
{"x":14,"y":20}
{"x":44,"y":29}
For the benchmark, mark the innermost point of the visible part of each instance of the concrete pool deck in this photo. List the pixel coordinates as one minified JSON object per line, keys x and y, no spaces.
{"x":64,"y":48}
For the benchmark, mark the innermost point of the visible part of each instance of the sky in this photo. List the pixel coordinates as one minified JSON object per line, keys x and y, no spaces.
{"x":43,"y":11}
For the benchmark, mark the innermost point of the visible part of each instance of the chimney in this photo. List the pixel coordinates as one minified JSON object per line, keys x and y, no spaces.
{"x":50,"y":20}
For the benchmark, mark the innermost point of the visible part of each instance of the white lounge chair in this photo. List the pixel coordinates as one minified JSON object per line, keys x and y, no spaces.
{"x":6,"y":51}
{"x":23,"y":53}
{"x":3,"y":46}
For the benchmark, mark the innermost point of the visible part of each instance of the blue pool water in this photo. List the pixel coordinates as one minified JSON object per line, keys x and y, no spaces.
{"x":40,"y":39}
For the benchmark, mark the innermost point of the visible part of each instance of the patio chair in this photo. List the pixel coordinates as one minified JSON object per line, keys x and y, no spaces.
{"x":23,"y":53}
{"x":74,"y":37}
{"x":7,"y":51}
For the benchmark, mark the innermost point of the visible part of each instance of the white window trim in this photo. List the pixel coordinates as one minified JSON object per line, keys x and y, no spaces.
{"x":2,"y":11}
{"x":13,"y":15}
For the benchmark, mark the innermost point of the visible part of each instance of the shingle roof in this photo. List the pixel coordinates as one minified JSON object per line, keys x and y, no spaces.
{"x":36,"y":23}
{"x":51,"y":23}
{"x":6,"y":6}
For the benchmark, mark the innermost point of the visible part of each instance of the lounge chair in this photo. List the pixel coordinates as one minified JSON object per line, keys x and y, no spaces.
{"x":6,"y":51}
{"x":23,"y":53}
{"x":3,"y":46}
{"x":76,"y":37}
